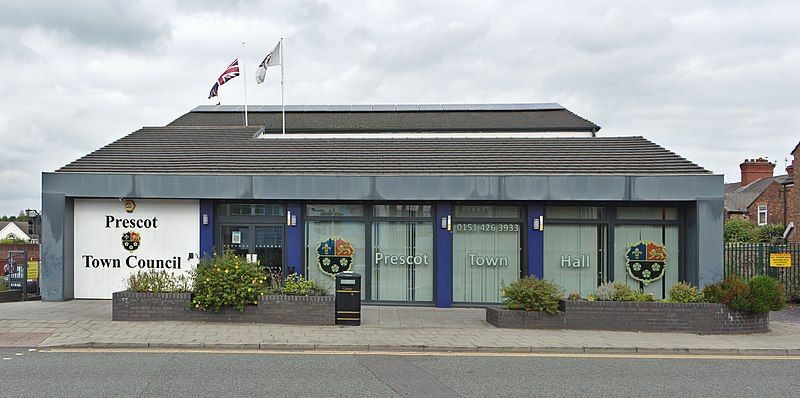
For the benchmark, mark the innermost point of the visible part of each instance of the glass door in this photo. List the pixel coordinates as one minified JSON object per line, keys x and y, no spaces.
{"x":268,"y":246}
{"x":262,"y":244}
{"x":236,"y":238}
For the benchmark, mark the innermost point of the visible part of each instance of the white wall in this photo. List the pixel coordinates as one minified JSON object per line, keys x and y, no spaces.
{"x":177,"y":233}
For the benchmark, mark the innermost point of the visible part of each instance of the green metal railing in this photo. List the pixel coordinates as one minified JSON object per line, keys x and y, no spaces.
{"x":750,"y":259}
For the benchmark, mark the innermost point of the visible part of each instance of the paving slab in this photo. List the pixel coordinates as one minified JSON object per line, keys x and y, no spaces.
{"x":87,"y":324}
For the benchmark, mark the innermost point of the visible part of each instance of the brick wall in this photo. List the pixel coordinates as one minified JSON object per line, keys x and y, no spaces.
{"x":705,"y":318}
{"x":772,"y":197}
{"x":793,"y":204}
{"x":292,"y":310}
{"x":33,"y":250}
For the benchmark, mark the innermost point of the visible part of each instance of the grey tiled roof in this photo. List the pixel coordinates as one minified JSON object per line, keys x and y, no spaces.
{"x":325,"y":118}
{"x":234,"y":150}
{"x":739,"y":198}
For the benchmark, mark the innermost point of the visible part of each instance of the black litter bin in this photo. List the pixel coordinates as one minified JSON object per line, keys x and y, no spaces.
{"x":348,"y":298}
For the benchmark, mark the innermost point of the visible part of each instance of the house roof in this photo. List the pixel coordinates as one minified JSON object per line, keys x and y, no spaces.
{"x":22,"y":225}
{"x":739,"y":198}
{"x":176,"y":149}
{"x":547,"y":117}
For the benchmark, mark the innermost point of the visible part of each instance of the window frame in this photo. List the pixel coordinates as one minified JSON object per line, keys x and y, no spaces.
{"x":759,"y":210}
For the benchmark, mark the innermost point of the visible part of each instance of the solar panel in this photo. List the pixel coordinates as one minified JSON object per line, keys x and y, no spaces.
{"x":502,"y":107}
{"x":383,"y":108}
{"x":454,"y":107}
{"x":431,"y":107}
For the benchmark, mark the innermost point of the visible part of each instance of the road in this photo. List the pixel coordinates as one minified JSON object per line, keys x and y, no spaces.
{"x":191,"y":374}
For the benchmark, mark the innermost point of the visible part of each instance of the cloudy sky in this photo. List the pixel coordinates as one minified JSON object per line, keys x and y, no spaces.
{"x":714,"y":81}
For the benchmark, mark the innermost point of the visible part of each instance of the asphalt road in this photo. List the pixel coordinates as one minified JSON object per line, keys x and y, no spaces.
{"x":192,"y":374}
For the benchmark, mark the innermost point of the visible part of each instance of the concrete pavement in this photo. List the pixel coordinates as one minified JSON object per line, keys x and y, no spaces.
{"x":86,"y":323}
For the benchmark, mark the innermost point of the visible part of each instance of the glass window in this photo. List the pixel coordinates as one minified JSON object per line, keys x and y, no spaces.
{"x":236,"y":239}
{"x":647,"y":213}
{"x":575,"y":212}
{"x":663,"y":237}
{"x":485,"y":255}
{"x":480,"y":211}
{"x":402,"y":211}
{"x":237,"y":209}
{"x":335,"y":210}
{"x":402,"y":261}
{"x":762,"y":215}
{"x":573,"y":257}
{"x":332,"y":247}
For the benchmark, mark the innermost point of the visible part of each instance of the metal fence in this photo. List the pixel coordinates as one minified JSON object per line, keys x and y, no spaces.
{"x":750,"y":259}
{"x":19,"y":273}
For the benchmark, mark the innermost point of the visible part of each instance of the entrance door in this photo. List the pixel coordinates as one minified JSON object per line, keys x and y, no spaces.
{"x":268,"y":246}
{"x":262,"y":244}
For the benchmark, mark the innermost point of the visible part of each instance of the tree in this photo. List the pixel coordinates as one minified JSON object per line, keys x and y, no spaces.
{"x":737,"y":230}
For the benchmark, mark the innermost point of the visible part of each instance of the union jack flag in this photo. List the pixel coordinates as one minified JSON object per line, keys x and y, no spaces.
{"x":231,"y":72}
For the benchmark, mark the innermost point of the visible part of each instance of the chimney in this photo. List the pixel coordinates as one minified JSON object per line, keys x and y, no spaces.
{"x":755,"y":169}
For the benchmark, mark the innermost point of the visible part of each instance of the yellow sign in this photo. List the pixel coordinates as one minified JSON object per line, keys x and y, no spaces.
{"x":33,"y":270}
{"x":780,"y":260}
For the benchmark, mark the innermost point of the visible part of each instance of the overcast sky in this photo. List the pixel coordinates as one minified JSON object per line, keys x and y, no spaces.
{"x":714,"y":81}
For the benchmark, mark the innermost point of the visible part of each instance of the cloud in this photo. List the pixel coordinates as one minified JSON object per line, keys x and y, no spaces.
{"x":108,"y":24}
{"x":714,"y":82}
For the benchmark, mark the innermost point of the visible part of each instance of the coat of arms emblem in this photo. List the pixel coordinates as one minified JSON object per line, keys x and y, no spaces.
{"x":131,"y":240}
{"x":646,"y":261}
{"x":335,"y":255}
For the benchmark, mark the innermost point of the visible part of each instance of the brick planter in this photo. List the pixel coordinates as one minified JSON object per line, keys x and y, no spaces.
{"x":9,"y":296}
{"x":292,"y":310}
{"x":703,"y":318}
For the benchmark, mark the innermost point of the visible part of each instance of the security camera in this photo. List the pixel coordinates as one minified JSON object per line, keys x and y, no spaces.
{"x":121,"y":199}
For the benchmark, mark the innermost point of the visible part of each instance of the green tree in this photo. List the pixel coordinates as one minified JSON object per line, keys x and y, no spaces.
{"x":737,"y":230}
{"x":769,"y":233}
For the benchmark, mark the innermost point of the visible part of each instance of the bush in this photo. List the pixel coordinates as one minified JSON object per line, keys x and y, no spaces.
{"x":623,"y":292}
{"x":531,"y":294}
{"x":737,"y":230}
{"x":296,"y":285}
{"x":605,"y":292}
{"x":227,"y":281}
{"x":761,"y":294}
{"x":158,"y":282}
{"x":574,"y":296}
{"x":766,"y":294}
{"x":712,"y":293}
{"x":683,"y":292}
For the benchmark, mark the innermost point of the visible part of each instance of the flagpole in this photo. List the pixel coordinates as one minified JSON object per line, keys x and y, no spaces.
{"x":244,"y":84}
{"x":283,"y":107}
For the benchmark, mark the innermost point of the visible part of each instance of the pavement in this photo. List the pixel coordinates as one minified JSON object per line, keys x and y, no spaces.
{"x":87,"y":324}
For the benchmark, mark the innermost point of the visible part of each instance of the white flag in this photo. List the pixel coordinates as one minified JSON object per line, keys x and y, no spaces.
{"x":272,"y":59}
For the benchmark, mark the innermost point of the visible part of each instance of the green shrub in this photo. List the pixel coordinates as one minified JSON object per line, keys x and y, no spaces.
{"x":712,"y":293}
{"x":761,"y":294}
{"x":736,"y":294}
{"x":623,"y":292}
{"x":766,"y":294}
{"x":227,"y":281}
{"x":158,"y":282}
{"x":3,"y":286}
{"x":531,"y":294}
{"x":737,"y":230}
{"x":574,"y":296}
{"x":605,"y":292}
{"x":296,"y":285}
{"x":683,"y":292}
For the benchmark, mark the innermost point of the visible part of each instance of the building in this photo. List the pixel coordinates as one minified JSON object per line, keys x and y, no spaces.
{"x":433,"y":204}
{"x":764,"y":198}
{"x":14,"y":231}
